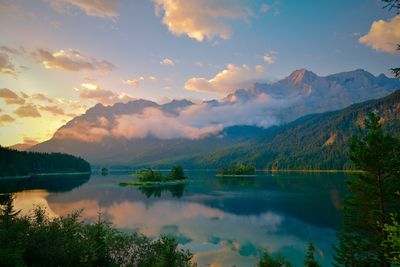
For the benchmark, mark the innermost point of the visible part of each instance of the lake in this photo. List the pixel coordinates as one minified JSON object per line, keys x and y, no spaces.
{"x":224,"y":221}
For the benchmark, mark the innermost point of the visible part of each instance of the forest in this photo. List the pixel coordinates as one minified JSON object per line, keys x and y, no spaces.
{"x":23,"y":163}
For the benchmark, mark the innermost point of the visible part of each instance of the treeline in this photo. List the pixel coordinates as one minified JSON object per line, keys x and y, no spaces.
{"x":238,"y":169}
{"x":38,"y":240}
{"x":14,"y":163}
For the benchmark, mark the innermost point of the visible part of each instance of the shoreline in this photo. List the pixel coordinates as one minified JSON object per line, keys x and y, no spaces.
{"x":42,"y":174}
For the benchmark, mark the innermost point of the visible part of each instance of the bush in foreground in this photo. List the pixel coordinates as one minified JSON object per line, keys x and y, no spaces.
{"x":37,"y":240}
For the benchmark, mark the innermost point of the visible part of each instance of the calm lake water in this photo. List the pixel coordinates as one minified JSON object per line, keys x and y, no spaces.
{"x":223,"y":221}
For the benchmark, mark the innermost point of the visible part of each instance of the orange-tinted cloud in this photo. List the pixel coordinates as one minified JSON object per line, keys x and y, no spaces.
{"x":6,"y":118}
{"x":30,"y":141}
{"x":84,"y":130}
{"x":100,"y":95}
{"x":54,"y":110}
{"x":97,"y":8}
{"x":10,"y":97}
{"x":227,"y":81}
{"x":71,"y":60}
{"x":6,"y":66}
{"x":134,"y":82}
{"x":202,"y":18}
{"x":28,"y":110}
{"x":42,"y":97}
{"x":383,"y":35}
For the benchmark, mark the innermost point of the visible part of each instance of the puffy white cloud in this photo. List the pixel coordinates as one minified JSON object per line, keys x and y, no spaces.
{"x":167,"y":61}
{"x":97,"y":8}
{"x":6,"y":66}
{"x":100,"y":95}
{"x":155,"y":122}
{"x":71,"y":60}
{"x":202,"y":18}
{"x":383,"y":35}
{"x":268,"y":58}
{"x":226,"y":81}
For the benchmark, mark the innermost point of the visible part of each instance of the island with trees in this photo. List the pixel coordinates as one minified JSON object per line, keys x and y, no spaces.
{"x":24,"y":163}
{"x":150,"y":177}
{"x":236,"y":170}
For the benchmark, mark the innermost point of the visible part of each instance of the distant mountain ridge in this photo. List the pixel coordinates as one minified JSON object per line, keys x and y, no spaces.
{"x":303,"y":92}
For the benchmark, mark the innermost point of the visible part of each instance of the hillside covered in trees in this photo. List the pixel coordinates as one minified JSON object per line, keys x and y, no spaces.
{"x":14,"y":163}
{"x":317,"y":141}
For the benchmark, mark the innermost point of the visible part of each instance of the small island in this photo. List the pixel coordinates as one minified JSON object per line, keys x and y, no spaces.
{"x":150,"y":177}
{"x":237,"y":170}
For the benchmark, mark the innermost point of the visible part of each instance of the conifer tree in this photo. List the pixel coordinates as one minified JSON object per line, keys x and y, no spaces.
{"x":372,"y":197}
{"x":310,"y":260}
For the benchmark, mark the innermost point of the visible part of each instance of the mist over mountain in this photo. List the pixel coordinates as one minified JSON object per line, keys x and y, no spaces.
{"x":137,"y":131}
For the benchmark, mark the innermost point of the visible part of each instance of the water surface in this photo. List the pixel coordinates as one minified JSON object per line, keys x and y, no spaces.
{"x":223,"y":221}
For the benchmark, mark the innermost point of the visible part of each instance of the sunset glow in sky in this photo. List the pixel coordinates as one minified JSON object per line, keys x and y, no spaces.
{"x":60,"y":57}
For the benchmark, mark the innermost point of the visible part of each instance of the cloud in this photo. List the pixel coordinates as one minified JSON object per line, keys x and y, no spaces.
{"x":383,"y":35}
{"x":71,"y":60}
{"x":268,"y":58}
{"x":30,"y":141}
{"x":6,"y":118}
{"x":10,"y":97}
{"x":193,"y":122}
{"x":153,"y":78}
{"x":134,"y":82}
{"x":28,"y":110}
{"x":100,"y":95}
{"x":96,"y":8}
{"x":202,"y":18}
{"x":54,"y":110}
{"x":167,"y":61}
{"x":13,"y":51}
{"x":226,"y":81}
{"x":6,"y":66}
{"x":156,"y":123}
{"x":41,"y":97}
{"x":84,"y":130}
{"x":262,"y":110}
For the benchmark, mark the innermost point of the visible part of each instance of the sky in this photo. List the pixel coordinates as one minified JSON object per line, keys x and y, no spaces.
{"x":60,"y":57}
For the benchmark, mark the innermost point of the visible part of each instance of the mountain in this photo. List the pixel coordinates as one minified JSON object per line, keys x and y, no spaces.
{"x":317,"y":94}
{"x":21,"y":147}
{"x":316,"y":141}
{"x":144,"y":133}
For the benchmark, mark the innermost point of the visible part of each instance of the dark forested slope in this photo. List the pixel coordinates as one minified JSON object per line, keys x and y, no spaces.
{"x":13,"y":162}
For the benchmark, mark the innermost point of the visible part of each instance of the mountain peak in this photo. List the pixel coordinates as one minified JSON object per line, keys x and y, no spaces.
{"x":301,"y":75}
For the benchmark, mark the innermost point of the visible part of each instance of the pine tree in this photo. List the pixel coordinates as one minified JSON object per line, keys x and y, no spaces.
{"x":372,"y":197}
{"x":277,"y":261}
{"x":310,"y":260}
{"x":7,"y":212}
